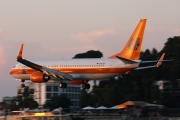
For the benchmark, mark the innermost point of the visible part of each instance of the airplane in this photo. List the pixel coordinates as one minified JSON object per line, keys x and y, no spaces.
{"x":80,"y":71}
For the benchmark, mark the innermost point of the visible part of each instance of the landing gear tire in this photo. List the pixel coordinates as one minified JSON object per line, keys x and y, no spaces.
{"x":85,"y":86}
{"x":63,"y":85}
{"x":23,"y":86}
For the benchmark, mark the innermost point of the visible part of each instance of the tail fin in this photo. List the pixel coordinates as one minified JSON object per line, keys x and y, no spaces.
{"x":132,"y":48}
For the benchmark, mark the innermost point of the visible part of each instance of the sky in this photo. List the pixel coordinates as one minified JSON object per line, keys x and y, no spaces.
{"x":64,"y":28}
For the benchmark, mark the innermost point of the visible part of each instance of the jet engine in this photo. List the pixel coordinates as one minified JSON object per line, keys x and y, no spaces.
{"x":39,"y":77}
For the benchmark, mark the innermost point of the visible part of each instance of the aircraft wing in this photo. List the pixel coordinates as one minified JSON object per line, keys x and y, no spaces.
{"x":159,"y":62}
{"x":46,"y":70}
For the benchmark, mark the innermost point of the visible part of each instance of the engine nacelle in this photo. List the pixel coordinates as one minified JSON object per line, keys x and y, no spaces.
{"x":77,"y":82}
{"x":39,"y":77}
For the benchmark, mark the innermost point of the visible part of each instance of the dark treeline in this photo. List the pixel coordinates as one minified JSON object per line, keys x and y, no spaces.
{"x":138,"y":85}
{"x":89,"y":54}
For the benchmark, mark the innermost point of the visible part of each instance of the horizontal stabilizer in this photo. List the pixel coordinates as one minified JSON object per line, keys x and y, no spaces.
{"x":157,"y":61}
{"x":126,"y":61}
{"x":140,"y":68}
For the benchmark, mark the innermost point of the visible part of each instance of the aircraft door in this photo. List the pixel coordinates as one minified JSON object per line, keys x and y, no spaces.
{"x":112,"y":66}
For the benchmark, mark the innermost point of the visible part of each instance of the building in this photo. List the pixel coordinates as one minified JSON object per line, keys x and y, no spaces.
{"x":44,"y":91}
{"x":8,"y":100}
{"x":141,"y":108}
{"x":163,"y":84}
{"x":172,"y":89}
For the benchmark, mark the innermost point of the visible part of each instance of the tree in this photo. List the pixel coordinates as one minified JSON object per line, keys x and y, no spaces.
{"x":14,"y":105}
{"x":24,"y":101}
{"x":29,"y":103}
{"x":64,"y":101}
{"x":171,"y":70}
{"x":84,"y":97}
{"x":26,"y":92}
{"x":89,"y":54}
{"x":58,"y":101}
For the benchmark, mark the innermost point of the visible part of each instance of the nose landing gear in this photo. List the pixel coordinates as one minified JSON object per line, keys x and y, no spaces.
{"x":22,"y":85}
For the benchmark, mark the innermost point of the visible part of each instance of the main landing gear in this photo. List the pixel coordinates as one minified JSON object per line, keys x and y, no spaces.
{"x":23,"y":85}
{"x":86,"y":85}
{"x":62,"y":85}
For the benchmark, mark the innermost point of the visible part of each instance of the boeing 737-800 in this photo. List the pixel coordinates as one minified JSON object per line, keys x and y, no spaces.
{"x":80,"y":71}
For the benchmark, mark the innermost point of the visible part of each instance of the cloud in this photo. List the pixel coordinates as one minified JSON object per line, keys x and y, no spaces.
{"x":89,"y":37}
{"x":72,"y":50}
{"x":176,"y":31}
{"x":92,"y":35}
{"x":69,"y":49}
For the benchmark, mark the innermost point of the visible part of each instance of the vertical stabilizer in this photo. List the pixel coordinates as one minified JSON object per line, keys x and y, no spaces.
{"x":132,"y":48}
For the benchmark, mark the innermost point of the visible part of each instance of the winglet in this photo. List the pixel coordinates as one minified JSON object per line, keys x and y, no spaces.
{"x":20,"y":52}
{"x":160,"y":60}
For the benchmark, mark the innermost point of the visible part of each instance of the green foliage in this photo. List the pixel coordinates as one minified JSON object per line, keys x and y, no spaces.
{"x":170,"y":100}
{"x":26,"y":92}
{"x":58,"y":101}
{"x":29,"y":103}
{"x":89,"y":54}
{"x":24,"y":101}
{"x":84,"y":96}
{"x":14,"y":105}
{"x":172,"y":49}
